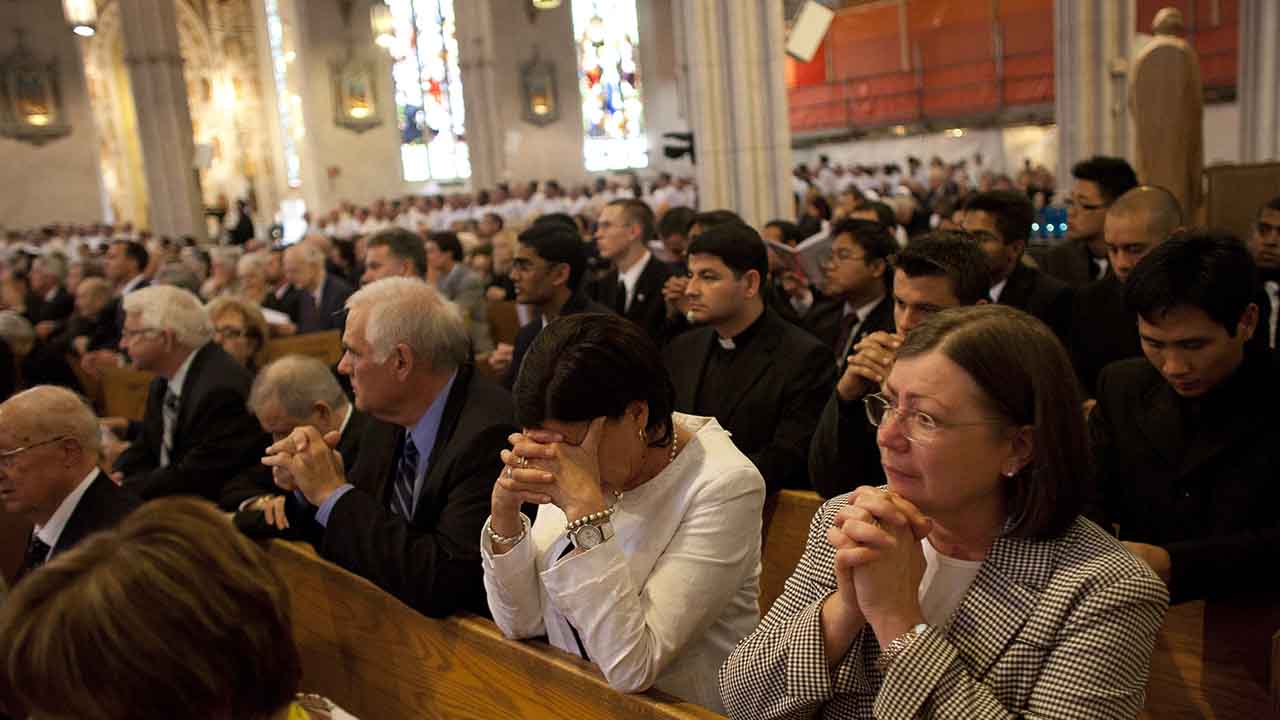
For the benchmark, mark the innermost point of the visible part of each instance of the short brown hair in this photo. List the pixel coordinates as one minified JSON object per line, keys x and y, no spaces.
{"x":638,"y":212}
{"x":173,"y":614}
{"x":1027,"y":379}
{"x":255,"y":323}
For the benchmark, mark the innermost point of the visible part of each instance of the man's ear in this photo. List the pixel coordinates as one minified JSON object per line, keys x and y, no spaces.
{"x":1248,"y":321}
{"x":403,"y":361}
{"x":559,"y":273}
{"x":754,"y":281}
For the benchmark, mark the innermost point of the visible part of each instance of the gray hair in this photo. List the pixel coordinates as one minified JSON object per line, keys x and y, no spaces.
{"x":254,"y":262}
{"x":296,"y":383}
{"x":52,"y":263}
{"x":307,"y":252}
{"x":225,"y":254}
{"x":54,"y":411}
{"x":164,"y":307}
{"x":17,"y":332}
{"x":179,"y":275}
{"x":408,"y":310}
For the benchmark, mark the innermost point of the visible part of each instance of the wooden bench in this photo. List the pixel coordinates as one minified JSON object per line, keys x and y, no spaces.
{"x":377,"y":658}
{"x":324,"y":346}
{"x":124,"y":392}
{"x":786,"y":530}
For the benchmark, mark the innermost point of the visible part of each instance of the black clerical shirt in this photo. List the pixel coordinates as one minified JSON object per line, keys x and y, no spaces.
{"x":714,"y":390}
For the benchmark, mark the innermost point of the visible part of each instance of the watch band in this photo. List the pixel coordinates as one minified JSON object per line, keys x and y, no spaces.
{"x":585,"y":537}
{"x":899,"y":644}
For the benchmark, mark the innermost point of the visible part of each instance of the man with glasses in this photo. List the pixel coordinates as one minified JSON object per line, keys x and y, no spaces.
{"x":1000,"y":222}
{"x":1264,"y":244}
{"x":857,"y":276}
{"x":196,"y":433}
{"x":940,"y":270}
{"x":49,"y":452}
{"x":547,"y":271}
{"x":1099,"y":181}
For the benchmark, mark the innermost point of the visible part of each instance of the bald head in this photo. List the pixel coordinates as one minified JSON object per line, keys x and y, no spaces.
{"x":47,"y":411}
{"x":56,"y":438}
{"x":1136,"y":222}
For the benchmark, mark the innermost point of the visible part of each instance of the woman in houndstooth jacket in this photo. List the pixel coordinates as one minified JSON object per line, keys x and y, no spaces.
{"x":970,"y":586}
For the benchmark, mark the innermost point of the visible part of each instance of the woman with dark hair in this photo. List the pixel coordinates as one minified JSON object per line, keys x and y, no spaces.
{"x":970,"y":585}
{"x":645,"y":557}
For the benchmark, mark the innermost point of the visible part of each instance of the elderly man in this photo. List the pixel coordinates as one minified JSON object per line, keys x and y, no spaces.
{"x":196,"y":433}
{"x":394,"y":253}
{"x":408,"y":515}
{"x":49,"y":451}
{"x":317,"y":303}
{"x":48,"y":278}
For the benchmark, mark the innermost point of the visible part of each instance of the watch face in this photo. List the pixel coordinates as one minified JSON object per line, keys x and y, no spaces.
{"x":589,"y":536}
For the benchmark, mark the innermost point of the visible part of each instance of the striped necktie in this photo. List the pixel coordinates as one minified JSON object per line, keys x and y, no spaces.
{"x":406,"y":478}
{"x":169,"y":413}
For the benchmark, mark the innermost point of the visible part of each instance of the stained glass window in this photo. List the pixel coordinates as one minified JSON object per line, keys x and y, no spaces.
{"x":428,"y":88}
{"x":287,"y":102}
{"x":608,"y":39}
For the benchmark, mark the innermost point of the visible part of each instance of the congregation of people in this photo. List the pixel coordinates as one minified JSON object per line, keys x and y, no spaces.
{"x":1028,"y":450}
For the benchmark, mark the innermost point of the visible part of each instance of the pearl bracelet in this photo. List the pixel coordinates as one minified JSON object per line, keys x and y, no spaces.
{"x":591,"y":519}
{"x":497,"y":539}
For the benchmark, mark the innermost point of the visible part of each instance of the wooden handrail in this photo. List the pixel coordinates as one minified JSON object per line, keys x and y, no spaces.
{"x":324,"y":346}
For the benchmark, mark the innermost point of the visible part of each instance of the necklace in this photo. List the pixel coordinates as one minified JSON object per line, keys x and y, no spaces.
{"x":675,"y":442}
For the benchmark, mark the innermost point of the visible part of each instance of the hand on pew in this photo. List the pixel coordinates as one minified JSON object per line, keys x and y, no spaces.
{"x":313,"y":465}
{"x":272,"y":507}
{"x":95,"y":362}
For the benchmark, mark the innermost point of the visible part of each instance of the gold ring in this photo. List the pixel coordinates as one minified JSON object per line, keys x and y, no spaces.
{"x":524,"y":461}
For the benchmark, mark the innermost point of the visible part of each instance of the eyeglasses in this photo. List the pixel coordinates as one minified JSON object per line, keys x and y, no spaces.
{"x":919,"y":427}
{"x":131,"y":334}
{"x":1265,"y":228}
{"x":230,"y":333}
{"x":1072,"y":204}
{"x":841,"y":256}
{"x":7,"y":457}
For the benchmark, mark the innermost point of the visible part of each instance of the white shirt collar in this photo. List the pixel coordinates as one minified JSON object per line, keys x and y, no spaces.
{"x":342,"y":430}
{"x":319,"y":293}
{"x":52,"y":294}
{"x":632,"y":276}
{"x":132,"y":284}
{"x":175,"y":383}
{"x":998,"y":288}
{"x":52,"y":530}
{"x":863,"y":310}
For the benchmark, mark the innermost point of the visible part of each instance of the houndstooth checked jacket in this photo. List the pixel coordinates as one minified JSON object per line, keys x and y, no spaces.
{"x":1049,"y":629}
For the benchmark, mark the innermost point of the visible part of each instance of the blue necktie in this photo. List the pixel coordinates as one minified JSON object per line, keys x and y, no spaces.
{"x":406,"y":478}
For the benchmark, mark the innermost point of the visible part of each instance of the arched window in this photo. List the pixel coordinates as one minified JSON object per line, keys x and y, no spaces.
{"x":608,"y":39}
{"x":428,"y":91}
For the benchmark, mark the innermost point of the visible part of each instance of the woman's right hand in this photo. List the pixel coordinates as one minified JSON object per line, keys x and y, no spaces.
{"x":516,"y":485}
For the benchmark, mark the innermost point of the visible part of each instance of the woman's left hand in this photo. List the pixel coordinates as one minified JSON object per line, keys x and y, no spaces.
{"x":889,"y":564}
{"x":573,"y":470}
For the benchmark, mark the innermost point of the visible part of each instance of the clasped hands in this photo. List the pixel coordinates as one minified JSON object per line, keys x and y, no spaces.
{"x":307,"y":461}
{"x":542,"y":468}
{"x":879,"y":563}
{"x":869,"y":364}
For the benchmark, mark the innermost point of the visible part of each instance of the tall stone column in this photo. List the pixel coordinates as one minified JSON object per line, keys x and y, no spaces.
{"x":1259,"y":84}
{"x":164,"y":119}
{"x":1092,"y":44}
{"x":477,"y":61}
{"x":733,"y":51}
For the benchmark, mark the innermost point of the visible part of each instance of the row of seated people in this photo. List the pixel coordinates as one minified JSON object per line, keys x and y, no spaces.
{"x":411,"y":521}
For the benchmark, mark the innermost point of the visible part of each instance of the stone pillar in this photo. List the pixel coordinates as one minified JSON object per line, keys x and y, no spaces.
{"x":733,"y":52}
{"x":477,"y":61}
{"x":1259,"y":84}
{"x":1092,"y":42}
{"x":164,"y":120}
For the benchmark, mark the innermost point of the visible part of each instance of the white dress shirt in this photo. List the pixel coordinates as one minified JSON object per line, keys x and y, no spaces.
{"x":51,"y":531}
{"x":632,"y":276}
{"x":668,"y":598}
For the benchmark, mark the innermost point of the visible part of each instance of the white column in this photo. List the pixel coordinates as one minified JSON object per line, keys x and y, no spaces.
{"x":738,"y":106}
{"x":1259,"y":83}
{"x":477,"y":62}
{"x":164,"y":120}
{"x":1091,"y":50}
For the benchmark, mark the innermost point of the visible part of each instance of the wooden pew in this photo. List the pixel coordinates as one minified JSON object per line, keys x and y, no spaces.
{"x":324,"y":346}
{"x":787,"y":517}
{"x":124,"y":392}
{"x":376,"y":658}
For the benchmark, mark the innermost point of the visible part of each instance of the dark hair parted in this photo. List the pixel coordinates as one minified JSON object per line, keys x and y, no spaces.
{"x":447,"y":242}
{"x":1113,"y":176}
{"x":1208,"y":269}
{"x":951,"y":254}
{"x":1013,"y":213}
{"x":638,"y":212}
{"x":403,"y":245}
{"x":715,"y":218}
{"x":588,"y":365}
{"x":737,"y":245}
{"x":174,"y":614}
{"x":791,"y":234}
{"x":557,"y":242}
{"x":676,"y":221}
{"x":136,"y":252}
{"x":884,"y":214}
{"x":1026,"y":378}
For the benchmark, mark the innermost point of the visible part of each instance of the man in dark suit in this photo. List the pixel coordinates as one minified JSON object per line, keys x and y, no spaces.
{"x":317,"y":304}
{"x":1101,"y":330}
{"x":761,"y":377}
{"x":857,"y":275}
{"x":1000,"y":221}
{"x":547,"y":271}
{"x":55,"y":304}
{"x":196,"y":433}
{"x":49,"y":453}
{"x":1082,"y":258}
{"x":408,"y":515}
{"x":633,"y":286}
{"x":940,"y":270}
{"x":1186,"y":440}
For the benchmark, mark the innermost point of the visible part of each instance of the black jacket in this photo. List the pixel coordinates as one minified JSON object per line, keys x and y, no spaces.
{"x":330,"y":313}
{"x":102,"y":506}
{"x":215,"y":439}
{"x":1039,"y":294}
{"x":57,"y":309}
{"x":431,"y":563}
{"x":1194,"y":476}
{"x":1069,"y":261}
{"x":577,"y":303}
{"x":779,"y":388}
{"x":648,"y":309}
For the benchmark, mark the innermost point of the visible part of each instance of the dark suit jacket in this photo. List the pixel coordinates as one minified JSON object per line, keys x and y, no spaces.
{"x":102,"y":506}
{"x":779,"y":391}
{"x":843,"y":454}
{"x":116,"y":308}
{"x":1039,"y":294}
{"x":1101,"y":330}
{"x":56,"y":310}
{"x":648,"y":309}
{"x":330,"y":312}
{"x":102,"y":331}
{"x":215,"y":439}
{"x":45,"y":366}
{"x":1068,"y":261}
{"x":577,"y":303}
{"x":1197,"y":477}
{"x":433,"y":562}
